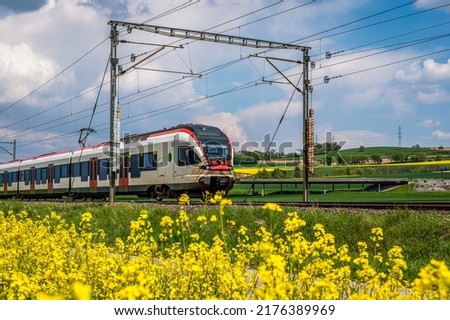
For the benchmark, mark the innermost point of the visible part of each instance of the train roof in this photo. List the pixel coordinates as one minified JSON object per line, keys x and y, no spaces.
{"x":203,"y":132}
{"x":200,"y":130}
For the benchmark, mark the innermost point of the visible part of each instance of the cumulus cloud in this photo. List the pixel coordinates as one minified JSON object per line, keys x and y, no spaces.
{"x":229,"y":123}
{"x":22,"y":70}
{"x":428,"y":123}
{"x":441,"y":135}
{"x":430,"y":71}
{"x":436,"y":96}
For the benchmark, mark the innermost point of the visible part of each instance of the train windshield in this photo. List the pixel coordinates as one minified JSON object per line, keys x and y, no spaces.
{"x":217,"y":150}
{"x":214,"y":143}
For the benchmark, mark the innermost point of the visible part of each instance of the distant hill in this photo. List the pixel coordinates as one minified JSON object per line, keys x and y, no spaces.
{"x":387,"y":151}
{"x":363,"y":155}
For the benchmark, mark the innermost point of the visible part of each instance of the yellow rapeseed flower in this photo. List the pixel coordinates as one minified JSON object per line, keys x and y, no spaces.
{"x":272,"y":207}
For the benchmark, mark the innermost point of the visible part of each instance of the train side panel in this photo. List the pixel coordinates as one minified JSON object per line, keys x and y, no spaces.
{"x":46,"y":175}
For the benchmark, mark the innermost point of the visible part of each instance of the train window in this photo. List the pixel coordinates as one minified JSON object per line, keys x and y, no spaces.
{"x":11,"y":176}
{"x":135,"y":171}
{"x":27,"y":177}
{"x":217,"y":151}
{"x":57,"y":173}
{"x":64,"y":171}
{"x":38,"y":176}
{"x":43,"y":175}
{"x":147,"y":161}
{"x":76,"y":169}
{"x":103,"y":169}
{"x":84,"y":171}
{"x":187,"y":156}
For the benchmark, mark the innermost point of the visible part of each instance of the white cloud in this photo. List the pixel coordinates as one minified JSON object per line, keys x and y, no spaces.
{"x":410,"y":74}
{"x":426,"y":4}
{"x":21,"y":71}
{"x":436,"y":71}
{"x":229,"y":123}
{"x":441,"y":135}
{"x":428,"y":123}
{"x":436,"y":96}
{"x":42,"y":43}
{"x":429,"y":71}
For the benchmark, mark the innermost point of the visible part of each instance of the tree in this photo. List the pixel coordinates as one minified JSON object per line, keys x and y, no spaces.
{"x":419,"y":157}
{"x":376,"y":158}
{"x":399,"y":157}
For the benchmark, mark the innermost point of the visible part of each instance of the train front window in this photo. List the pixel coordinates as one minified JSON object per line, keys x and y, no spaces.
{"x":187,"y":156}
{"x":217,"y":151}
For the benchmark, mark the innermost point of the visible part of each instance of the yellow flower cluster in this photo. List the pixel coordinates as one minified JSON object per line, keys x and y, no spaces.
{"x":50,"y":259}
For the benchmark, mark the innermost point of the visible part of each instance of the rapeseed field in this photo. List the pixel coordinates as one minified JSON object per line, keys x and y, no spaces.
{"x":48,"y":258}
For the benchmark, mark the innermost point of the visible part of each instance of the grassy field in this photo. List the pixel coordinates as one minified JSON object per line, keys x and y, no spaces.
{"x":340,"y":193}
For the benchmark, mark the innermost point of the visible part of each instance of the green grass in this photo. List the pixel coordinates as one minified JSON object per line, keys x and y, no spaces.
{"x":325,"y":193}
{"x":422,"y":235}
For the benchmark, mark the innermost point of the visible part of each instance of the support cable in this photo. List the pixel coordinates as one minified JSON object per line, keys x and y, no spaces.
{"x":88,"y":130}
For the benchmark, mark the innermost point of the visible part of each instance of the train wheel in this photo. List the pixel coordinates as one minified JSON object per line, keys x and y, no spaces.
{"x":159,"y":192}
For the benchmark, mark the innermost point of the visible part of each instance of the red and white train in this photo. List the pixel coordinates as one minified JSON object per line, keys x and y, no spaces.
{"x":191,"y":158}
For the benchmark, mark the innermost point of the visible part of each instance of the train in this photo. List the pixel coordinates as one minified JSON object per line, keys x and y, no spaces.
{"x":187,"y":158}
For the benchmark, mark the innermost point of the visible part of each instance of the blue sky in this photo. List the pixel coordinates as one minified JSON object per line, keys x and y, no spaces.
{"x":389,"y":67}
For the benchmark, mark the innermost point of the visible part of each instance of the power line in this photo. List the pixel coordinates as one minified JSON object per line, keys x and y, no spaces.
{"x":384,"y":65}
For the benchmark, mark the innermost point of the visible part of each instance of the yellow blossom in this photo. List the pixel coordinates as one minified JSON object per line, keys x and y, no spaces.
{"x":272,"y":207}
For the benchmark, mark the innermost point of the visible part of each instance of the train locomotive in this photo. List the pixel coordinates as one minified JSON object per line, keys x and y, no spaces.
{"x":188,"y":158}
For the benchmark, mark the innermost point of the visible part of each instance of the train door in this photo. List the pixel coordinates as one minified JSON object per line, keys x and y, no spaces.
{"x":32,"y":179}
{"x":5,"y":181}
{"x":163,"y":161}
{"x":124,"y":172}
{"x":93,"y":174}
{"x":180,"y":167}
{"x":50,"y":177}
{"x":186,"y":159}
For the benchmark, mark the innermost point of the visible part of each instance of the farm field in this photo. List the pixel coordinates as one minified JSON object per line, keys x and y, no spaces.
{"x":422,"y":176}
